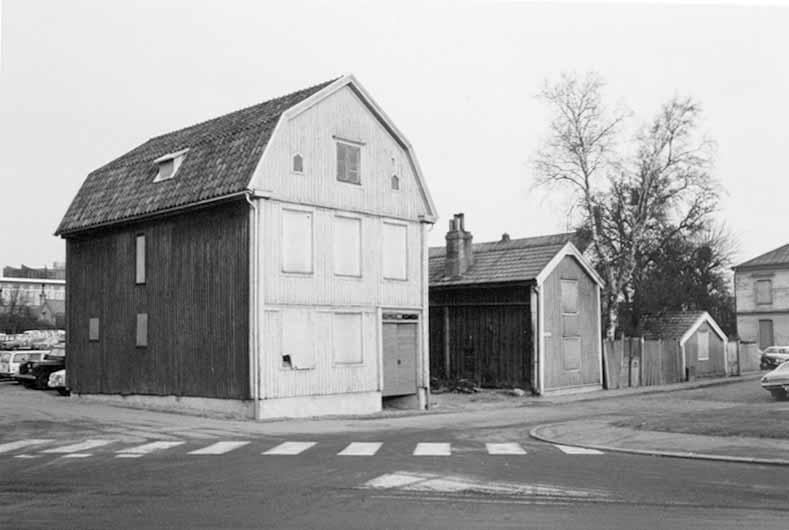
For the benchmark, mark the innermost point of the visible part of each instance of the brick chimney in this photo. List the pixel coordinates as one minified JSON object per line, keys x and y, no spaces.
{"x":460,"y":254}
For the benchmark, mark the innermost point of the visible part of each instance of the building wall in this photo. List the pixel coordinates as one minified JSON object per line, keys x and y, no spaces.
{"x":749,"y":312}
{"x":195,"y":295}
{"x":309,"y":300}
{"x":556,"y":371}
{"x":716,"y":364}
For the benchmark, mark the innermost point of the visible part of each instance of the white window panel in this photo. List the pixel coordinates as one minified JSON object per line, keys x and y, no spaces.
{"x":297,"y":341}
{"x":395,"y":241}
{"x":296,"y":241}
{"x":347,"y":338}
{"x":569,"y":296}
{"x":142,"y":330}
{"x":703,"y":338}
{"x":348,"y":246}
{"x":93,"y":329}
{"x":140,"y":258}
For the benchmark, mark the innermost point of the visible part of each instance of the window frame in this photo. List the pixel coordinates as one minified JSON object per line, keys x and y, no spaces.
{"x":94,"y":333}
{"x":706,"y":357}
{"x":383,"y":251}
{"x":360,"y":224}
{"x":562,"y":283}
{"x":344,"y":364}
{"x":140,"y":262}
{"x":394,"y":179}
{"x":293,"y":163}
{"x":347,"y":144}
{"x":140,"y":338}
{"x":769,"y":283}
{"x":282,"y":236}
{"x":177,"y":157}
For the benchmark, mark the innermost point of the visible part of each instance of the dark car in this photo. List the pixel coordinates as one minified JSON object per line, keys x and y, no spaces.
{"x":774,"y":356}
{"x":35,"y":374}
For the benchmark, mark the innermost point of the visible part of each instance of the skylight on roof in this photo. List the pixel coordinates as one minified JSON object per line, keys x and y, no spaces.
{"x":169,"y":164}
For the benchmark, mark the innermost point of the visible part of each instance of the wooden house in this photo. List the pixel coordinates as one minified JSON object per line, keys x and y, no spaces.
{"x":270,"y":262}
{"x":702,"y":343}
{"x":761,"y":290}
{"x":515,"y":312}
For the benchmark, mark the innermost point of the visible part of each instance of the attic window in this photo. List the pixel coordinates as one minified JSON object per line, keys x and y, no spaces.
{"x":169,"y":164}
{"x":395,"y":182}
{"x":298,"y":163}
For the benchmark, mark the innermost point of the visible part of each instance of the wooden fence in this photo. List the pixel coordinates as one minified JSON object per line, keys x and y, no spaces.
{"x":742,"y":357}
{"x":631,"y":362}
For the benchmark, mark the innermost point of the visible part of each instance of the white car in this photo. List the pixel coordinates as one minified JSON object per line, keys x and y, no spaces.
{"x":57,"y":380}
{"x":10,"y":361}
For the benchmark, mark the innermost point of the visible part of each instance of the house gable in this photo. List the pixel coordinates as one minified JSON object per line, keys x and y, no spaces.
{"x":343,"y":114}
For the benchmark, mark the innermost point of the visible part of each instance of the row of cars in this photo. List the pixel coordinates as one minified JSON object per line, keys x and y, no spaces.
{"x":32,"y":339}
{"x":36,"y":369}
{"x":776,"y":382}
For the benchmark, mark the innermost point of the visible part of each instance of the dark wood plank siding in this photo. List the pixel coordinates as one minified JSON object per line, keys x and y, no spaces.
{"x":489,"y":334}
{"x":196,"y":298}
{"x":585,"y":326}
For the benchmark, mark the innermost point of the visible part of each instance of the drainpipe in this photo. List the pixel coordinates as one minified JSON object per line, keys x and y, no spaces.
{"x":253,"y":306}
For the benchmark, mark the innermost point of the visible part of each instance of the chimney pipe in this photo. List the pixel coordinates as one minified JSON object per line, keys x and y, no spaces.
{"x":460,"y":252}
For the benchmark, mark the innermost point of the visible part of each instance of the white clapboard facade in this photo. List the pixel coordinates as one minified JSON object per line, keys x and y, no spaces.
{"x":338,"y":267}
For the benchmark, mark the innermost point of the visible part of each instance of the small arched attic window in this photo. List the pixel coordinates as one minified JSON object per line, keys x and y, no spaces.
{"x":395,"y":182}
{"x":298,"y":163}
{"x":168,"y":165}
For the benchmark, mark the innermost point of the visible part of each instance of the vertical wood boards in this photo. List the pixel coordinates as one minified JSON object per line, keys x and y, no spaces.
{"x":195,"y":295}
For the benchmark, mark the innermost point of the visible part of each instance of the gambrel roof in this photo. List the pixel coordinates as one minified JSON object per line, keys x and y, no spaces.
{"x":778,"y":256}
{"x":221,"y":157}
{"x":504,"y":261}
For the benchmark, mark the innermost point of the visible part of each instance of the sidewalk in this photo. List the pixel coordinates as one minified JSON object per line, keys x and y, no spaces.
{"x":601,"y":434}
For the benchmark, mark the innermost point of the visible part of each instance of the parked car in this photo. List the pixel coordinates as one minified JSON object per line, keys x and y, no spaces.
{"x":57,"y":380}
{"x":774,"y":356}
{"x":777,"y":381}
{"x":35,"y":374}
{"x":10,"y":361}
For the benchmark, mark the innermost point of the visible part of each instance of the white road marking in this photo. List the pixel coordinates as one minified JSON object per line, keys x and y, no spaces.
{"x":571,"y":450}
{"x":77,"y":448}
{"x":13,"y":446}
{"x":432,"y":449}
{"x":361,"y":449}
{"x":77,"y":455}
{"x":26,"y":456}
{"x":128,"y":455}
{"x":145,"y":449}
{"x":219,"y":448}
{"x":510,"y":448}
{"x":395,"y":480}
{"x":289,"y":448}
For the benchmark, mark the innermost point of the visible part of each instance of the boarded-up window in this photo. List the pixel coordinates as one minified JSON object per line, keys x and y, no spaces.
{"x":347,"y":246}
{"x":296,"y":241}
{"x":569,"y":296}
{"x":297,"y":340}
{"x":142,"y":330}
{"x":766,"y":337}
{"x":349,"y":163}
{"x":93,"y":329}
{"x":298,"y":163}
{"x":572,"y":353}
{"x":395,"y":241}
{"x":140,"y":259}
{"x":764,"y":291}
{"x":703,"y":338}
{"x":347,"y":338}
{"x":570,"y":326}
{"x":395,"y":182}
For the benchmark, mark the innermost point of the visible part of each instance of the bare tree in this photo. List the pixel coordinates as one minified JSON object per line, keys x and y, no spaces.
{"x":628,"y":203}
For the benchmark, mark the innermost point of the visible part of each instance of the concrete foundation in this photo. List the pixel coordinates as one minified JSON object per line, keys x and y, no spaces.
{"x":228,"y":408}
{"x":326,"y":405}
{"x":563,"y":391}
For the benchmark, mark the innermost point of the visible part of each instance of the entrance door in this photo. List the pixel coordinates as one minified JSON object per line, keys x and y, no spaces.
{"x":400,"y":347}
{"x":765,"y":334}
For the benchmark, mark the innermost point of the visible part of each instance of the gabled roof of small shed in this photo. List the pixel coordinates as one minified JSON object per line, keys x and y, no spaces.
{"x":223,"y":154}
{"x":501,"y":261}
{"x":675,"y":325}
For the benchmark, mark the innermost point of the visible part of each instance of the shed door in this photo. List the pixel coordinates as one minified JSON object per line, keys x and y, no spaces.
{"x":765,"y":334}
{"x":399,"y":352}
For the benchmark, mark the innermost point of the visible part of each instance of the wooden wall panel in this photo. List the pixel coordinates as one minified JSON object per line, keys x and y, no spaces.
{"x":588,"y":303}
{"x":196,"y":297}
{"x":716,"y":364}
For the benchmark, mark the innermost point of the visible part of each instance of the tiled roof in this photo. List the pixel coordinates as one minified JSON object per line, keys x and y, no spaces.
{"x":223,"y":153}
{"x":500,"y":261}
{"x":670,"y":325}
{"x":778,"y":256}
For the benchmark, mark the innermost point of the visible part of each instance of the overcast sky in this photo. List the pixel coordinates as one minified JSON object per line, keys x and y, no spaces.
{"x":83,"y":82}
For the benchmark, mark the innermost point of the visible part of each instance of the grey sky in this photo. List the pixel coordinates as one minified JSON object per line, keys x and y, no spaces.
{"x":83,"y":82}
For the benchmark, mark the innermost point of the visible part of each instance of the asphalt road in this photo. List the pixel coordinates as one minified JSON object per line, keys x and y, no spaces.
{"x":318,"y":488}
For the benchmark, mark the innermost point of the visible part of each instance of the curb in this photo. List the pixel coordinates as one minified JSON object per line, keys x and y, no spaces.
{"x":534,"y":433}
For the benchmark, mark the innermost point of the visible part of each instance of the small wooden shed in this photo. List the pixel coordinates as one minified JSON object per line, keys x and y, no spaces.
{"x":702,"y":343}
{"x":515,"y":312}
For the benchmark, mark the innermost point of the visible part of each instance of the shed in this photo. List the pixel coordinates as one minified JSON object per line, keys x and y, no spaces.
{"x":269,"y":262}
{"x":702,"y":343}
{"x":515,"y":312}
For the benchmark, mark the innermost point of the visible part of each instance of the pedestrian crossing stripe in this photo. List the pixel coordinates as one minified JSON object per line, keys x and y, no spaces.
{"x":144,"y":449}
{"x":78,"y":447}
{"x":290,"y":448}
{"x":13,"y":446}
{"x":432,"y":449}
{"x":219,"y":448}
{"x":572,"y":450}
{"x":361,"y":449}
{"x":504,"y":449}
